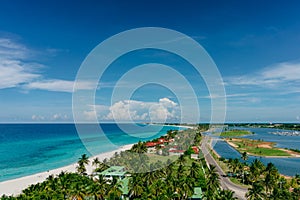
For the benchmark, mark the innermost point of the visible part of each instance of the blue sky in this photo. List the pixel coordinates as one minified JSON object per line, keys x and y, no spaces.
{"x":254,"y":44}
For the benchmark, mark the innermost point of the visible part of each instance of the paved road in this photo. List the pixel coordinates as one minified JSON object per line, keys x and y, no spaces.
{"x":225,"y":182}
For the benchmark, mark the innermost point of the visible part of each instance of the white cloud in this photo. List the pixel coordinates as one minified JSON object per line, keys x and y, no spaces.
{"x":58,"y":85}
{"x":17,"y":71}
{"x":279,"y":76}
{"x":13,"y":69}
{"x":126,"y":110}
{"x":14,"y":73}
{"x":54,"y":117}
{"x":59,"y":116}
{"x":13,"y":50}
{"x":37,"y":118}
{"x":283,"y":72}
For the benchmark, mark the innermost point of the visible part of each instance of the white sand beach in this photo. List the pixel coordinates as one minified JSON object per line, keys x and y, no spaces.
{"x":15,"y":186}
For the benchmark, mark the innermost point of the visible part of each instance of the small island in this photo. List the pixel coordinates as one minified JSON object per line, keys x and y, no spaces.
{"x":259,"y":148}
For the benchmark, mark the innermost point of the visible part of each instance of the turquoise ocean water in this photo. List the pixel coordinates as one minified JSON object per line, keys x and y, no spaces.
{"x":27,"y":149}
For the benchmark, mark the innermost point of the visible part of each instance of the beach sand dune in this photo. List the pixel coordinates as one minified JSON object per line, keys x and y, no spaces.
{"x":15,"y":186}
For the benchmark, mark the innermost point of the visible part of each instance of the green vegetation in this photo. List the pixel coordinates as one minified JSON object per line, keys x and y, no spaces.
{"x":295,"y":150}
{"x":179,"y":179}
{"x":264,"y":182}
{"x":235,"y":133}
{"x":256,"y":147}
{"x":267,"y":152}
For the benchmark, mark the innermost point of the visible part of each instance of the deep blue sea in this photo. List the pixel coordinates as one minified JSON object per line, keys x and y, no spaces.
{"x":286,"y":166}
{"x":27,"y":149}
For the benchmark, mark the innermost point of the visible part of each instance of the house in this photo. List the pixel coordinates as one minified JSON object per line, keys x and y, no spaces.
{"x":151,"y":144}
{"x":196,"y":152}
{"x":195,"y":149}
{"x":114,"y":171}
{"x":151,"y":147}
{"x":174,"y":151}
{"x":121,"y":174}
{"x":197,"y":194}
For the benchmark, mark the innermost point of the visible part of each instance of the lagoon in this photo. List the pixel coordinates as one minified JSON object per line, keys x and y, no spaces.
{"x":286,"y":166}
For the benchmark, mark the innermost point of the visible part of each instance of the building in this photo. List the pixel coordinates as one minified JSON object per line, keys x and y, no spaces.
{"x":114,"y":171}
{"x":121,"y":174}
{"x":196,"y":153}
{"x":197,"y":194}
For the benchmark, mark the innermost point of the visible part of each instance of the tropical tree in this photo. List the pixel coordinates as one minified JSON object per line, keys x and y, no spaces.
{"x":194,"y":170}
{"x":244,"y":156}
{"x":256,"y":192}
{"x":96,"y":162}
{"x":271,"y":175}
{"x":256,"y":170}
{"x":136,"y":186}
{"x":212,"y":181}
{"x":114,"y":191}
{"x":140,"y":147}
{"x":84,"y":160}
{"x":226,"y":195}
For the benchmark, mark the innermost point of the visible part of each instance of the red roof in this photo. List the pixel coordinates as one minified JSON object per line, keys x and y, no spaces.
{"x":151,"y":144}
{"x":196,"y":150}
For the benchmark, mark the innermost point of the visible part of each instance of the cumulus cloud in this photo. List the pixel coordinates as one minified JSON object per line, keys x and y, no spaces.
{"x":126,"y":110}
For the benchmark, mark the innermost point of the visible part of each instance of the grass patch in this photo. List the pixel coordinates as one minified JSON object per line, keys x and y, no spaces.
{"x":235,"y":133}
{"x":256,"y":147}
{"x":153,"y":158}
{"x":237,"y":182}
{"x":268,"y":152}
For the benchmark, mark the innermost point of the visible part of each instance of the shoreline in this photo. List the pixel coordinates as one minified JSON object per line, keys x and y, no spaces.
{"x":292,"y":155}
{"x":15,"y":186}
{"x":179,"y":126}
{"x":283,"y":175}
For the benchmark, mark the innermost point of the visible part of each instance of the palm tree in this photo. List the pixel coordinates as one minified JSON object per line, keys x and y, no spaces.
{"x":213,"y":179}
{"x":96,"y":162}
{"x":140,"y":147}
{"x":101,"y":167}
{"x":114,"y":191}
{"x":187,"y":187}
{"x":63,"y":183}
{"x":245,"y":156}
{"x":136,"y":186}
{"x":256,"y":192}
{"x":84,"y":160}
{"x":194,"y":170}
{"x":181,"y":160}
{"x":78,"y":190}
{"x":226,"y":195}
{"x":256,"y":170}
{"x":270,"y":177}
{"x":234,"y":164}
{"x":97,"y":190}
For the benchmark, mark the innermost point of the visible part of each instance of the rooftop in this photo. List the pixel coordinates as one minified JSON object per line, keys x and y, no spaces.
{"x":114,"y":171}
{"x":197,"y":193}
